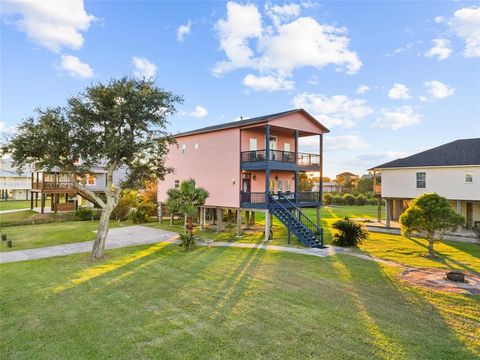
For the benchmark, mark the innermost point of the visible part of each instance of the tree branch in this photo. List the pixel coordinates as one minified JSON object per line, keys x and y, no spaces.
{"x":90,"y":195}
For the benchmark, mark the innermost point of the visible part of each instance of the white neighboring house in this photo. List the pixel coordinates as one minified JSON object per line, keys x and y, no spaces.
{"x":451,"y":170}
{"x":13,"y":184}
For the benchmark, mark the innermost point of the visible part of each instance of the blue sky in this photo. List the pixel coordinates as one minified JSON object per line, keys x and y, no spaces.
{"x":388,"y":78}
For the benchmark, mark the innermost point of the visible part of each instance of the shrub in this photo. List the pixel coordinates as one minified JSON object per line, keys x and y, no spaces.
{"x":327,"y":198}
{"x":187,"y":240}
{"x":338,"y":200}
{"x":120,"y":213}
{"x":350,"y":232}
{"x":372,"y":201}
{"x":361,"y":200}
{"x":138,"y":216}
{"x":84,"y":214}
{"x":349,"y":199}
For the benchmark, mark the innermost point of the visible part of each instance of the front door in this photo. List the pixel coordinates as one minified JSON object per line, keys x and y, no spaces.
{"x":273,"y":148}
{"x":469,"y":215}
{"x":246,"y":188}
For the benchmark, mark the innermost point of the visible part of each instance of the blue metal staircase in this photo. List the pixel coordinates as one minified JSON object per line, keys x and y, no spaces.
{"x":306,"y":231}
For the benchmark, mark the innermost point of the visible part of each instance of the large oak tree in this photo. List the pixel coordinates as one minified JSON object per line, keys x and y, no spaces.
{"x":118,"y":124}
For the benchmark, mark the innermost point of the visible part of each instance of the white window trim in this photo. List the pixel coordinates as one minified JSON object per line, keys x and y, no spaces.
{"x":416,"y":179}
{"x":253,"y":141}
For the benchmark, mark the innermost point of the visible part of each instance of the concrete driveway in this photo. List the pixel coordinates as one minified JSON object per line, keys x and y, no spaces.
{"x":117,"y":238}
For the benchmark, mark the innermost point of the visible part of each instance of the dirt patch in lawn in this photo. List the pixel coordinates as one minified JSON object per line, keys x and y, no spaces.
{"x":436,"y":279}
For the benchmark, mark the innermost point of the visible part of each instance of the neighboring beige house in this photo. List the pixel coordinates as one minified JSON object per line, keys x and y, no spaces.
{"x":451,"y":170}
{"x":13,"y":184}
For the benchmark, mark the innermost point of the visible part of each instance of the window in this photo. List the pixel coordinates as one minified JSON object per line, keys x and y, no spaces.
{"x":286,"y":147}
{"x":421,"y":180}
{"x":469,"y":178}
{"x":177,"y":183}
{"x":280,"y":185}
{"x":253,"y":144}
{"x":196,"y":146}
{"x":184,"y":148}
{"x":91,"y":180}
{"x":288,"y":185}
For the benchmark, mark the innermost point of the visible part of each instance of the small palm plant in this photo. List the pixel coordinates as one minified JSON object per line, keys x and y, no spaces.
{"x":186,"y":199}
{"x":350,"y":232}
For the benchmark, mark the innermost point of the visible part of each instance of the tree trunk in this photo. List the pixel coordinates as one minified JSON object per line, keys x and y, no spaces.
{"x":102,"y":232}
{"x":430,"y":248}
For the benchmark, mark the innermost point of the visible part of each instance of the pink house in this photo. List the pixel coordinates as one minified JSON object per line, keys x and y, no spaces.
{"x":251,"y":165}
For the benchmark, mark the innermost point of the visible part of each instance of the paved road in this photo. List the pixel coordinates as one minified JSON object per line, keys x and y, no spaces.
{"x":13,"y":211}
{"x":117,"y":238}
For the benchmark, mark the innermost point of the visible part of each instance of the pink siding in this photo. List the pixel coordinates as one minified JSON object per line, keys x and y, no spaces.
{"x":215,"y":165}
{"x":297,"y":121}
{"x":258,"y":185}
{"x":259,"y":134}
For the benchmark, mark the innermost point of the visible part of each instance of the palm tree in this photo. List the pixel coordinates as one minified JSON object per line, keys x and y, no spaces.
{"x":186,"y":199}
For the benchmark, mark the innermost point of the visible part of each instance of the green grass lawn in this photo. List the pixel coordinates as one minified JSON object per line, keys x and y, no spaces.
{"x":35,"y":236}
{"x":14,"y":204}
{"x":223,"y":303}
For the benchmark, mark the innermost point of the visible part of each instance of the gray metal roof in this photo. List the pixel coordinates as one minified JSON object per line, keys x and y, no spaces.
{"x":251,"y":121}
{"x":458,"y":152}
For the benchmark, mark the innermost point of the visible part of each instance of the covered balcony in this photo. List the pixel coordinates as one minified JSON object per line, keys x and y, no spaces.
{"x":276,"y":147}
{"x":257,"y":191}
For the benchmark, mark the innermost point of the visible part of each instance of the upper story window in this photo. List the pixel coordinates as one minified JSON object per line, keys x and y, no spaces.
{"x":184,"y":148}
{"x":196,"y":146}
{"x":421,"y":180}
{"x":91,"y":180}
{"x":177,"y":183}
{"x":469,"y":178}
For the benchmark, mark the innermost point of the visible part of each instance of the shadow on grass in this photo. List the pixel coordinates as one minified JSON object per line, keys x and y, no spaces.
{"x":395,"y":328}
{"x":445,"y":259}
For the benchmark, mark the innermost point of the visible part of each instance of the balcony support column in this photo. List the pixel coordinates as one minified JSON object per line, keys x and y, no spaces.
{"x":297,"y":200}
{"x":379,"y":209}
{"x":320,"y":180}
{"x":268,"y":225}
{"x":42,"y":203}
{"x":219,"y":220}
{"x":31,"y":200}
{"x":239,"y":222}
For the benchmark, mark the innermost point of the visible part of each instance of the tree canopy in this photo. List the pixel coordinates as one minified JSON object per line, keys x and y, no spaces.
{"x":430,"y":215}
{"x":118,"y":124}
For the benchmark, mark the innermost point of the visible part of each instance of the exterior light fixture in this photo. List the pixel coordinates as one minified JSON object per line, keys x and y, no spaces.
{"x":254,"y":176}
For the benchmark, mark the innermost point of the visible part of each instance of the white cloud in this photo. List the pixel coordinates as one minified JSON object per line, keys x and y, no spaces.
{"x":438,"y":19}
{"x":199,"y":112}
{"x":466,"y":25}
{"x":338,"y":110}
{"x":6,"y":130}
{"x":267,"y":83}
{"x":309,"y":43}
{"x":243,"y":22}
{"x":382,"y":155}
{"x":183,"y":30}
{"x":143,"y":68}
{"x":282,"y":13}
{"x":51,"y":24}
{"x":362,"y":89}
{"x":441,"y":49}
{"x":75,"y":67}
{"x":397,"y":118}
{"x":438,"y":90}
{"x":422,"y":98}
{"x":400,"y":50}
{"x":345,"y":142}
{"x":399,"y":92}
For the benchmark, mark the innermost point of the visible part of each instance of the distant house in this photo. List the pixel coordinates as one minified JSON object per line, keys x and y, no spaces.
{"x":342,"y":176}
{"x":55,"y":190}
{"x":451,"y":170}
{"x":332,"y":186}
{"x":14,"y":185}
{"x":251,"y":165}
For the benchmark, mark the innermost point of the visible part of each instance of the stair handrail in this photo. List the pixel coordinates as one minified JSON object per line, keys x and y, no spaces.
{"x":275,"y":201}
{"x":302,"y":216}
